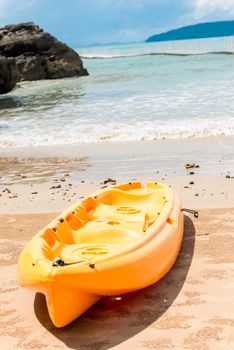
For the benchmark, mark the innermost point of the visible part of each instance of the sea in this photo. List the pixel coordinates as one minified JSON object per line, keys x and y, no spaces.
{"x":135,"y":92}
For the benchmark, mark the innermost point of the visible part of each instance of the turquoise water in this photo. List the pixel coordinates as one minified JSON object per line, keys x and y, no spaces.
{"x":133,"y":97}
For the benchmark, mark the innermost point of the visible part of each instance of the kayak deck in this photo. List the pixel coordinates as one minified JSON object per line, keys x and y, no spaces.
{"x":119,"y":220}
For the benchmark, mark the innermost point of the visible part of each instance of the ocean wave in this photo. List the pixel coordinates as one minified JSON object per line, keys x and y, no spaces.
{"x":98,"y":56}
{"x":120,"y":136}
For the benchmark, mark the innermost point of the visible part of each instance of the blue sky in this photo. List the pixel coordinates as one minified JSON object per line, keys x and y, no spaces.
{"x":81,"y":22}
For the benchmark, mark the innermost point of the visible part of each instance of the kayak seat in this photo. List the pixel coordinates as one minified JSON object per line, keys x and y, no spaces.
{"x":110,"y":233}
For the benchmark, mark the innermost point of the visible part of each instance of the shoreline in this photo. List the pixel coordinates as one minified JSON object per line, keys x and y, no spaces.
{"x":222,"y":144}
{"x":47,"y":179}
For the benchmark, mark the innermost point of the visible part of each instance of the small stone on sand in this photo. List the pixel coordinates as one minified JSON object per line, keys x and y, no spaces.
{"x":53,"y":187}
{"x":112,"y":181}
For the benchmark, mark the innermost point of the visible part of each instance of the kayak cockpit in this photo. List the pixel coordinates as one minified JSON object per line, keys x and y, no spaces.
{"x":104,"y":224}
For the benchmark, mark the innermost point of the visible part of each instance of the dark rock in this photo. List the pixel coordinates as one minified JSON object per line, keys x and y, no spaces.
{"x":229,"y":177}
{"x":9,"y":74}
{"x":39,"y":55}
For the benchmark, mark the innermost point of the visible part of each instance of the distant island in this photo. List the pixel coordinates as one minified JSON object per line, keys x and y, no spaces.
{"x":196,"y":31}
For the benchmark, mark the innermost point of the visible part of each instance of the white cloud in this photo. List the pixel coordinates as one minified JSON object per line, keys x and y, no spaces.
{"x":209,"y":8}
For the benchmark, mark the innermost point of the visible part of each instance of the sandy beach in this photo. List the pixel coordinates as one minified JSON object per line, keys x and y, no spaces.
{"x":190,"y":308}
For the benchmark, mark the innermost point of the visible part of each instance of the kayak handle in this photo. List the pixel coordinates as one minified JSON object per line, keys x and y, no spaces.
{"x":191,"y":211}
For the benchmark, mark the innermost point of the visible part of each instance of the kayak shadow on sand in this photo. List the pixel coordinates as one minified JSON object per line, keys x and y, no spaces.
{"x":112,"y":321}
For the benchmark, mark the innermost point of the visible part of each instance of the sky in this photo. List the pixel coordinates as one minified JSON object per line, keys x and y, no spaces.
{"x":84,"y":22}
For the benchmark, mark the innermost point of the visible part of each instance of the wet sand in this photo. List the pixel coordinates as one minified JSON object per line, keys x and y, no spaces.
{"x":192,"y":307}
{"x":42,"y":179}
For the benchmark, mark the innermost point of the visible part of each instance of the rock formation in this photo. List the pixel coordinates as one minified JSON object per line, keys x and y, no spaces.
{"x":9,"y":74}
{"x":37,"y":54}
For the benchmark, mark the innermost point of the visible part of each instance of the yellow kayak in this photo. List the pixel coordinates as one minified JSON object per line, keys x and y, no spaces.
{"x":117,"y":240}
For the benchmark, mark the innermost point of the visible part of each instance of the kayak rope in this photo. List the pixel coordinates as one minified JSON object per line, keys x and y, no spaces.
{"x":59,"y":262}
{"x":191,"y":211}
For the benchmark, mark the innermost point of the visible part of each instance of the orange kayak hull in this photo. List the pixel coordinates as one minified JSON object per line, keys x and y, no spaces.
{"x":115,"y":241}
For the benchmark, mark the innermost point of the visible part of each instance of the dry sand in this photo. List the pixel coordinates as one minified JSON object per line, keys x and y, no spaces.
{"x":192,"y":307}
